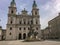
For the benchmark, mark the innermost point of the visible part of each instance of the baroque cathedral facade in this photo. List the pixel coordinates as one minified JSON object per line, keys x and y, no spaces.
{"x":18,"y":24}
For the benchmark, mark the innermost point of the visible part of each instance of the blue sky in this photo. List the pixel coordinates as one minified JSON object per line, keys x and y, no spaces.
{"x":48,"y":10}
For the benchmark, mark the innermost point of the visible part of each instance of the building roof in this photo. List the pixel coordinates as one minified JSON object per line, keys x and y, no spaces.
{"x":54,"y":19}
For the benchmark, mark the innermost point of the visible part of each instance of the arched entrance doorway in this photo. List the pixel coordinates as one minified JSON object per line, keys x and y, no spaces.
{"x":19,"y":36}
{"x":24,"y":36}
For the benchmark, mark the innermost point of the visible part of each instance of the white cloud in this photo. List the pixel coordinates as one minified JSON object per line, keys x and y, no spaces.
{"x":57,"y":5}
{"x":53,"y":8}
{"x":23,"y":6}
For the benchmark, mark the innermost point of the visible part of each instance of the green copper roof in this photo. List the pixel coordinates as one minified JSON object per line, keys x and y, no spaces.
{"x":34,"y":4}
{"x":13,"y":2}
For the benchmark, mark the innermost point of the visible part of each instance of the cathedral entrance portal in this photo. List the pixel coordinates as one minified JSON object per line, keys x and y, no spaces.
{"x":19,"y":36}
{"x":24,"y":36}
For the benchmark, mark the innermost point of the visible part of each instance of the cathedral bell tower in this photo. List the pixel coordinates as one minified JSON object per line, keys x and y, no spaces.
{"x":10,"y":31}
{"x":35,"y":10}
{"x":12,"y":8}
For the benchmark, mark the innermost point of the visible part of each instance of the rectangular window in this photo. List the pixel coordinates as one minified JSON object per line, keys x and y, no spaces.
{"x":28,"y":28}
{"x":20,"y":22}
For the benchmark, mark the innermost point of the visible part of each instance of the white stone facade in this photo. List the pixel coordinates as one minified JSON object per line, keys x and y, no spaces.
{"x":18,"y":24}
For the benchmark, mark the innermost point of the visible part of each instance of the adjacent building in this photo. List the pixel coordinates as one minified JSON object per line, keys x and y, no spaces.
{"x":54,"y":26}
{"x":45,"y":33}
{"x":2,"y":34}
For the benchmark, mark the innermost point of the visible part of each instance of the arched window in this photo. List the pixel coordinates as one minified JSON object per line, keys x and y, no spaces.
{"x":31,"y":22}
{"x":20,"y":36}
{"x":10,"y":33}
{"x":36,"y":21}
{"x":24,"y":36}
{"x":28,"y":28}
{"x":24,"y":21}
{"x":10,"y":28}
{"x":24,"y":28}
{"x":11,"y":22}
{"x":12,"y":11}
{"x":20,"y":28}
{"x":35,"y":12}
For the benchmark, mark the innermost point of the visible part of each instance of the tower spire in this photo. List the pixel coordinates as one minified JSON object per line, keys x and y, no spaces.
{"x":12,"y":7}
{"x":35,"y":10}
{"x":34,"y":4}
{"x":13,"y":3}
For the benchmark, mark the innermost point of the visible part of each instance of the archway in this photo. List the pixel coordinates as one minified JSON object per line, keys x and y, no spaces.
{"x":19,"y":36}
{"x":24,"y":36}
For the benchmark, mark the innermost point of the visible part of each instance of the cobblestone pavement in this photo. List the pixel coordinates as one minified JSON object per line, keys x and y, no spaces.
{"x":19,"y":42}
